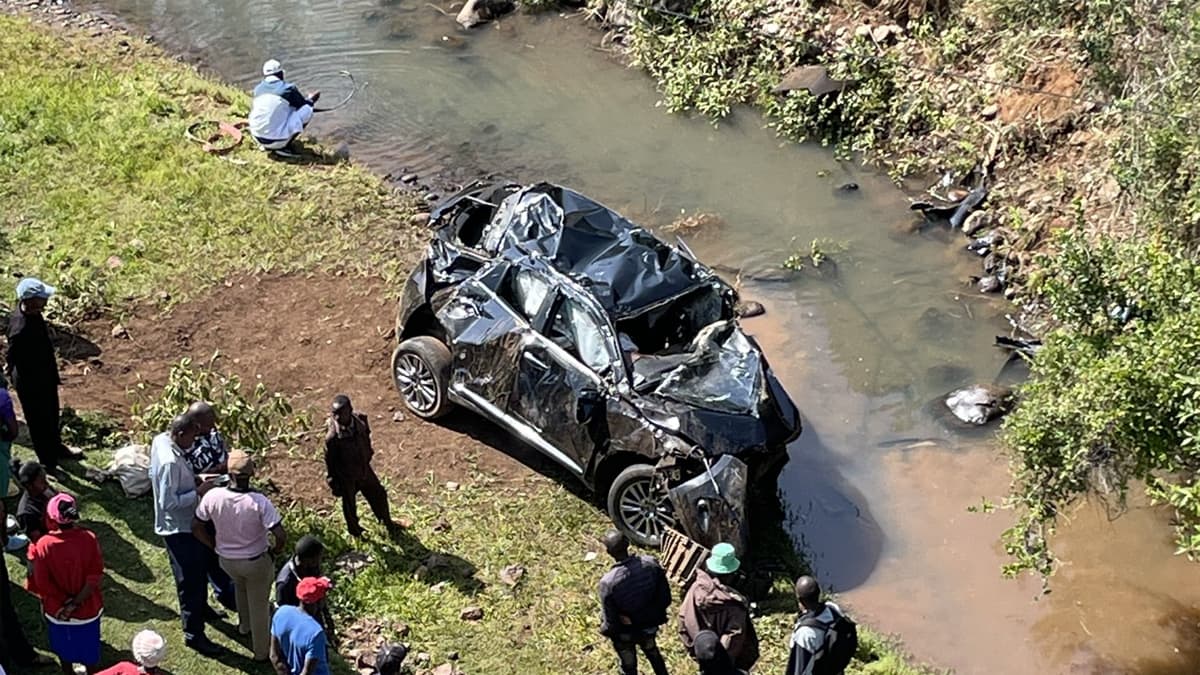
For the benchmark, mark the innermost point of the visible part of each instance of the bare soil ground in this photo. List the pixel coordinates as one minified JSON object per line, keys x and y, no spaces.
{"x":309,"y":337}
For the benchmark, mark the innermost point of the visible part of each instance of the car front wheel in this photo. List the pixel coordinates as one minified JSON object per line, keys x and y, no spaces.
{"x":421,"y":373}
{"x":639,"y":505}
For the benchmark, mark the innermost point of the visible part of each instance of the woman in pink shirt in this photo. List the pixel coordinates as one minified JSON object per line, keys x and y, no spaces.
{"x":243,"y":520}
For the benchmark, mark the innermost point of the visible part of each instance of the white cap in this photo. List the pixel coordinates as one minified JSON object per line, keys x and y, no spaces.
{"x":149,"y":648}
{"x":272,"y":67}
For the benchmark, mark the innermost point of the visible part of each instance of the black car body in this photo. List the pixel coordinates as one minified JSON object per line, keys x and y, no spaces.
{"x":615,"y":354}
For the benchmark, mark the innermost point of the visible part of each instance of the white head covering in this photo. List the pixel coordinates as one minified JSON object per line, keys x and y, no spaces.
{"x":272,"y":67}
{"x":149,"y":648}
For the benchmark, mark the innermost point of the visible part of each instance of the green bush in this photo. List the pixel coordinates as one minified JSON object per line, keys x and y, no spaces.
{"x":1114,"y":400}
{"x":256,"y":421}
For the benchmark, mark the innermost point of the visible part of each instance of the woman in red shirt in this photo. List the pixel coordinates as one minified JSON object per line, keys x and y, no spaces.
{"x":67,"y":568}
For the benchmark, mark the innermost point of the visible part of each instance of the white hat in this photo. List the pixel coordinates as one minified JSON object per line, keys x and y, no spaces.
{"x":271,"y":67}
{"x":149,"y":648}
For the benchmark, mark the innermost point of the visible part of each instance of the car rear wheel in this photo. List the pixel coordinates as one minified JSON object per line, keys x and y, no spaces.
{"x":421,"y":373}
{"x":639,"y":505}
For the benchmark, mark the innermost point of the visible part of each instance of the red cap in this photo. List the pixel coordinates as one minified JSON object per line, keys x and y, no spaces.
{"x":312,"y":590}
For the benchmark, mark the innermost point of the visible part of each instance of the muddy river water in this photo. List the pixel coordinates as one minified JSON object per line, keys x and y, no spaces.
{"x":878,"y":486}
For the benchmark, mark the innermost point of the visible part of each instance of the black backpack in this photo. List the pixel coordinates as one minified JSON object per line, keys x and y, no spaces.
{"x":841,"y":642}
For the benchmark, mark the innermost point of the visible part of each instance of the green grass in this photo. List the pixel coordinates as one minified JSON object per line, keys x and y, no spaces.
{"x":423,"y":580}
{"x":102,"y":195}
{"x":93,"y":165}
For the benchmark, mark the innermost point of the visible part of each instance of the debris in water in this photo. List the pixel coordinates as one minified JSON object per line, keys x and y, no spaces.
{"x":979,"y":404}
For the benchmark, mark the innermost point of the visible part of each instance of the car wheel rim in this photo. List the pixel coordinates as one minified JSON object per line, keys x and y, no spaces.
{"x":415,"y":381}
{"x":645,"y":510}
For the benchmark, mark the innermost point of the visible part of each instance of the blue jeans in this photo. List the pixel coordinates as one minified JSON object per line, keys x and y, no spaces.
{"x":195,"y":566}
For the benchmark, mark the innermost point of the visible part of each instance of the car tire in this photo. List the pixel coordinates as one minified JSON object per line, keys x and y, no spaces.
{"x":421,"y":373}
{"x":639,"y":507}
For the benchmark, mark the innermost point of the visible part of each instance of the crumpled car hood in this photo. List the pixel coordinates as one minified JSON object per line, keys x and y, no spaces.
{"x":724,"y":396}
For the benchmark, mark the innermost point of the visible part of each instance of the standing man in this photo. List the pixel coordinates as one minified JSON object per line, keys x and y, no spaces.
{"x":36,"y":495}
{"x":297,"y":639}
{"x":208,"y":455}
{"x":176,"y":495}
{"x":279,"y":111}
{"x":149,"y":650}
{"x":305,"y":563}
{"x":711,"y":604}
{"x":67,"y":569}
{"x":824,"y":640}
{"x":15,"y":650}
{"x":243,"y":520}
{"x":33,"y":369}
{"x":348,"y":456}
{"x":634,"y":598}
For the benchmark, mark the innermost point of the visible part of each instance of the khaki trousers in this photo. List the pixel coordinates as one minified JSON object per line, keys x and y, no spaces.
{"x":252,"y":580}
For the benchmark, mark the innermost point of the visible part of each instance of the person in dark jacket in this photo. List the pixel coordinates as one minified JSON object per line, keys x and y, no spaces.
{"x":348,"y":455}
{"x":305,"y":563}
{"x":33,"y":370}
{"x":36,"y":495}
{"x":15,"y":649}
{"x":634,"y":598}
{"x":712,"y":604}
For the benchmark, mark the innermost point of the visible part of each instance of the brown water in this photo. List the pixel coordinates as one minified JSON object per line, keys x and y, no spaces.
{"x":865,"y":351}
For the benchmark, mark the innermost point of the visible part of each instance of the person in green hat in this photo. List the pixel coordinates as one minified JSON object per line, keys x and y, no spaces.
{"x":712,"y":604}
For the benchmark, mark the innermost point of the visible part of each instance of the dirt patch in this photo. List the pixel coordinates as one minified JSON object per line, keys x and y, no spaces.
{"x":308,"y":337}
{"x":1057,"y":80}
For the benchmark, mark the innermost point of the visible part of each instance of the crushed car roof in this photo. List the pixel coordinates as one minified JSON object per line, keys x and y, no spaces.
{"x":625,"y":267}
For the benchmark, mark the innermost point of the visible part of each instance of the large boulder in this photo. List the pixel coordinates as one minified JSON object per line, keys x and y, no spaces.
{"x":979,"y":404}
{"x":476,"y":12}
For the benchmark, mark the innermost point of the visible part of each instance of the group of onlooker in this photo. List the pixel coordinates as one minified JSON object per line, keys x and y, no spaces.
{"x":218,"y":531}
{"x":715,"y":621}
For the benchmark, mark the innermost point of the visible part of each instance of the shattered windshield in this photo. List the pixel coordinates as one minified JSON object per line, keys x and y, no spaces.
{"x":723,"y":372}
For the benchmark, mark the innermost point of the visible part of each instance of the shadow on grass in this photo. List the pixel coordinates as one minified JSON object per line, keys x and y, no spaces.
{"x":120,"y":556}
{"x":137,"y":514}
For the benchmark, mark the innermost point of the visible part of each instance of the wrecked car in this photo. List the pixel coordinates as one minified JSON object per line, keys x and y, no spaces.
{"x":617,"y":355}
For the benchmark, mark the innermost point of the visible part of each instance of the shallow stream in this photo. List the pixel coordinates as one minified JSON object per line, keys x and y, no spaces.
{"x":878,"y":486}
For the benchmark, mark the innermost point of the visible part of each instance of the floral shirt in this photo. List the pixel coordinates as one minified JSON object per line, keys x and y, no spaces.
{"x":207,"y":453}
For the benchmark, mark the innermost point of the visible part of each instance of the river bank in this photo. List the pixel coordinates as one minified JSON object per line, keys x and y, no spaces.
{"x":1083,"y":114}
{"x":161,"y":252}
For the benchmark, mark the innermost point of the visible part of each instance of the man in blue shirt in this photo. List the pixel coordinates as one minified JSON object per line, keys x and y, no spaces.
{"x":176,"y":495}
{"x":279,"y":111}
{"x":297,"y":639}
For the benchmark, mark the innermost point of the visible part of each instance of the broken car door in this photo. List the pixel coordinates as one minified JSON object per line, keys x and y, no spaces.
{"x":560,"y":385}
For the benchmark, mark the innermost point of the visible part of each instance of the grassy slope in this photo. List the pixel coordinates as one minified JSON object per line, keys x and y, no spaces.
{"x":95,"y":130}
{"x":93,"y":165}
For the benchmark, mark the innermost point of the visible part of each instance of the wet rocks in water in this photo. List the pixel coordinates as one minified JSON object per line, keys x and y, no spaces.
{"x":984,"y":245}
{"x":980,"y":403}
{"x":988,"y":284}
{"x":750,"y":308}
{"x":977,"y":222}
{"x":476,"y":12}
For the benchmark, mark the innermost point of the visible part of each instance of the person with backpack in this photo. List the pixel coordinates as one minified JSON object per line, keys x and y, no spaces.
{"x":824,"y":640}
{"x":634,"y":598}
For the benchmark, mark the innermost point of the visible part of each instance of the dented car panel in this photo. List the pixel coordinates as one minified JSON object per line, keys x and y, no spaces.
{"x":711,"y":507}
{"x":601,"y":346}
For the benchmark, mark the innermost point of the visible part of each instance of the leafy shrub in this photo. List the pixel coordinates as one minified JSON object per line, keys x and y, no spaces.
{"x":1114,"y":400}
{"x":255,"y":421}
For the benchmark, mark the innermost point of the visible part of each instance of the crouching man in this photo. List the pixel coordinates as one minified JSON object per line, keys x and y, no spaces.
{"x":279,"y":111}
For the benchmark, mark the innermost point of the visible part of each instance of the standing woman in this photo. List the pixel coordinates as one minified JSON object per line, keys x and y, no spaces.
{"x":67,"y":569}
